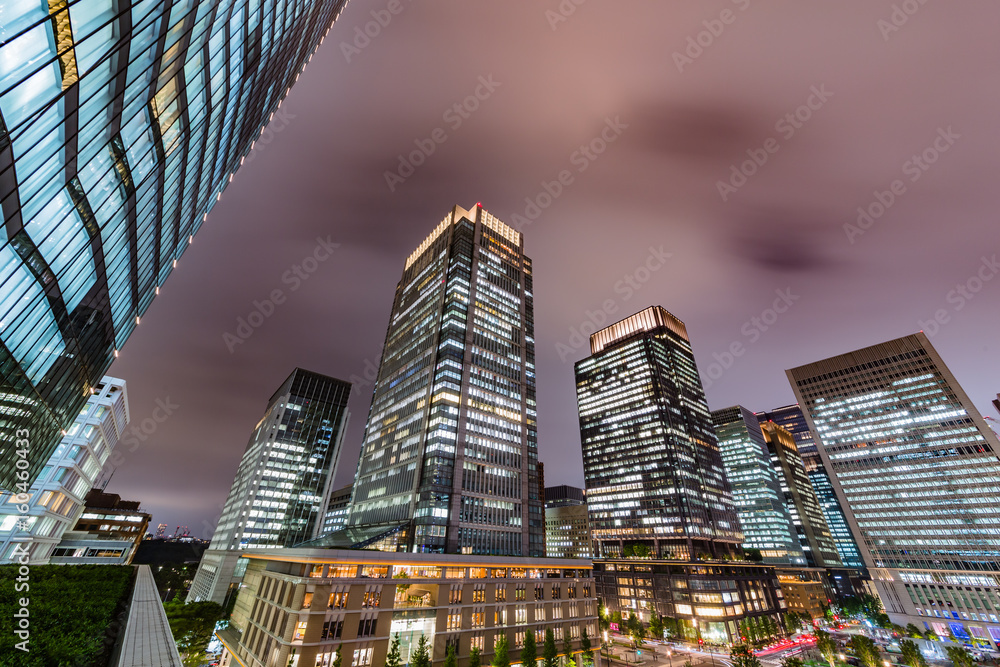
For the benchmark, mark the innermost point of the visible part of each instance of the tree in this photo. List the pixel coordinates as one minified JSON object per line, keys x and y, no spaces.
{"x":567,"y":648}
{"x":792,"y":661}
{"x":529,"y":652}
{"x":753,"y":555}
{"x":549,"y":652}
{"x":450,"y":659}
{"x":588,"y":653}
{"x":911,"y":653}
{"x":913,"y":631}
{"x":192,"y":626}
{"x":421,"y":655}
{"x":337,"y":657}
{"x":656,"y":626}
{"x":865,"y":650}
{"x":603,"y":622}
{"x":741,"y":656}
{"x":393,"y":658}
{"x":636,"y":630}
{"x":474,"y":659}
{"x":793,"y":622}
{"x":826,"y":646}
{"x":959,"y":656}
{"x":501,"y":657}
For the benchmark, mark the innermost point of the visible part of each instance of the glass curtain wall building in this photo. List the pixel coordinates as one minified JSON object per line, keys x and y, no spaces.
{"x":282,"y":487}
{"x":917,"y":467}
{"x":652,"y":466}
{"x":450,"y":452}
{"x":120,"y":125}
{"x":810,"y":526}
{"x":790,"y":418}
{"x":760,"y":503}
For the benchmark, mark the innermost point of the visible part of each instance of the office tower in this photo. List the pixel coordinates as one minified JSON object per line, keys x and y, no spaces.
{"x":659,"y":504}
{"x":449,"y":462}
{"x":790,"y":417}
{"x":917,"y":468}
{"x":279,"y":495}
{"x":760,"y":503}
{"x":336,"y":509}
{"x":304,"y":606}
{"x":121,"y":125}
{"x":651,"y":461}
{"x":57,"y":497}
{"x":996,"y":403}
{"x":567,"y":529}
{"x":108,"y":532}
{"x":813,"y":533}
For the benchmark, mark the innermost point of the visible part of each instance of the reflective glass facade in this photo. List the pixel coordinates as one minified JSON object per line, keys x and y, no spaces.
{"x":651,"y":461}
{"x":282,"y":487}
{"x":917,"y":467}
{"x":120,"y":125}
{"x":760,"y":502}
{"x":800,"y":498}
{"x":792,"y":420}
{"x":450,"y":448}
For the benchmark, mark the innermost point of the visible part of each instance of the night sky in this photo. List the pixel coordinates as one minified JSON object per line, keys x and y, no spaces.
{"x":641,"y":217}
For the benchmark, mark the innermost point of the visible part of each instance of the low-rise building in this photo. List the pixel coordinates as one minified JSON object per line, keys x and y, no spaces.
{"x":301,"y":606}
{"x":805,"y":589}
{"x":710,"y":601}
{"x":108,"y":531}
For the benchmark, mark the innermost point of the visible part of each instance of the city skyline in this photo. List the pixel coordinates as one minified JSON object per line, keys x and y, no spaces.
{"x":728,"y":258}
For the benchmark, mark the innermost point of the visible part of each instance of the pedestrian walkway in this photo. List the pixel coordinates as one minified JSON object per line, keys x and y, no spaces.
{"x":148,"y":642}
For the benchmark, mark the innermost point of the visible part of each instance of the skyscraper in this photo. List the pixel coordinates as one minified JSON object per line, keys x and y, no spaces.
{"x":283,"y":483}
{"x":57,"y":497}
{"x":918,"y":469}
{"x":659,"y":504}
{"x":121,"y":125}
{"x":760,"y":503}
{"x":651,"y":460}
{"x":450,"y":449}
{"x":790,"y":417}
{"x":800,"y":498}
{"x":567,"y":528}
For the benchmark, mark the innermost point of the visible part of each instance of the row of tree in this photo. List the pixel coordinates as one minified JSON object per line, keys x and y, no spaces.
{"x":420,"y":656}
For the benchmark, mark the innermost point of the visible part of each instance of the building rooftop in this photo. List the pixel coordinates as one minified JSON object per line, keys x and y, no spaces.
{"x":654,"y":317}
